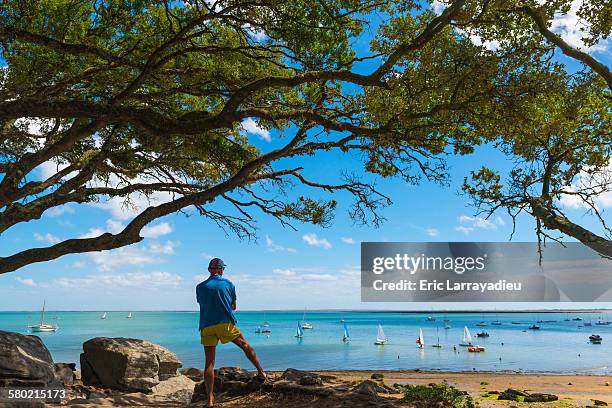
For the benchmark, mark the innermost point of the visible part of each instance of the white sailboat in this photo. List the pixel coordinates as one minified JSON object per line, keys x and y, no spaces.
{"x":345,"y":337}
{"x":103,"y":316}
{"x":43,"y":327}
{"x":467,"y":338}
{"x":381,"y":339}
{"x":305,"y":324}
{"x":129,"y":316}
{"x":420,"y":341}
{"x":299,"y":332}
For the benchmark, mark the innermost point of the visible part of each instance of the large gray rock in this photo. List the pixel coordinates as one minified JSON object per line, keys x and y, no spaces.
{"x":24,"y":361}
{"x":126,"y":364}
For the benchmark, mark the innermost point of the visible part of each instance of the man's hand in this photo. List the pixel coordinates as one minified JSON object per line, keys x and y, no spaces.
{"x":234,"y":305}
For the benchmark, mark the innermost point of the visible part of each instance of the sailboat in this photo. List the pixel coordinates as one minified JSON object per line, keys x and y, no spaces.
{"x":447,"y":325}
{"x":467,"y":338}
{"x":305,"y":324}
{"x":129,"y":316}
{"x":437,"y":345}
{"x":103,"y":316}
{"x":43,"y":327}
{"x":299,"y":332}
{"x":381,"y":339}
{"x":420,"y":341}
{"x":345,"y":337}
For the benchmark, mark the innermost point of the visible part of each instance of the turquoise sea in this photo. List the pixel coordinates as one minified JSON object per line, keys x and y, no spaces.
{"x":559,"y":346}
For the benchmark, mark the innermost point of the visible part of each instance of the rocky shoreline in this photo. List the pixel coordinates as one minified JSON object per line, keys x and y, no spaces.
{"x":122,"y":372}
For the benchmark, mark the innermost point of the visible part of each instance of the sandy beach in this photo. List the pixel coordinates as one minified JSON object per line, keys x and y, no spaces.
{"x":572,"y":390}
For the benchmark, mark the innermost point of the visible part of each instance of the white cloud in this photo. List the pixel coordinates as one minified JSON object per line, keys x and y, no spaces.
{"x":273,"y":247}
{"x":319,"y":276}
{"x":284,"y":272}
{"x":348,"y":240}
{"x":206,"y":256}
{"x":599,"y":182}
{"x":569,"y":26}
{"x":572,"y":29}
{"x":166,"y":248}
{"x":250,"y":126}
{"x":61,"y":210}
{"x":133,"y":279}
{"x":26,"y":281}
{"x":313,"y":240}
{"x":49,"y":238}
{"x":469,"y":224}
{"x":155,"y":231}
{"x":78,"y":265}
{"x":432,"y":232}
{"x":465,"y":230}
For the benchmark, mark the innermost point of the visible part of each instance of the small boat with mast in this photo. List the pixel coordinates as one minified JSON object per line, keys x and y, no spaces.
{"x":381,"y":339}
{"x":420,"y":341}
{"x":299,"y":333}
{"x":103,"y":316}
{"x":446,"y":324}
{"x":43,"y":327}
{"x":305,"y":324}
{"x":437,"y":345}
{"x":345,"y":336}
{"x":467,"y":338}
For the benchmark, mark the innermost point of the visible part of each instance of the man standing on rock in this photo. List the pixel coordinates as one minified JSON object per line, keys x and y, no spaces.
{"x":217,"y":299}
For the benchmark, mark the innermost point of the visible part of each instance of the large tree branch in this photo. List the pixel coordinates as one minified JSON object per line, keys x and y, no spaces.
{"x":553,"y":221}
{"x":567,"y":49}
{"x":131,"y":233}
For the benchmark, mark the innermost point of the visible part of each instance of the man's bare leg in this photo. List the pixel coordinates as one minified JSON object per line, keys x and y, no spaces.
{"x":249,"y":352}
{"x":209,"y":373}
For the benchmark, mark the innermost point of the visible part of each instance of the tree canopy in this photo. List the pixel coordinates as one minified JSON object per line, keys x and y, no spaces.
{"x":143,"y":97}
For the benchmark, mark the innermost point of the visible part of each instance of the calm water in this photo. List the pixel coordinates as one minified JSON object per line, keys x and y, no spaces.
{"x":559,"y":346}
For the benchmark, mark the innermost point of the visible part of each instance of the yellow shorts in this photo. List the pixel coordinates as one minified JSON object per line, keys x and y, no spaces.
{"x":225,"y":332}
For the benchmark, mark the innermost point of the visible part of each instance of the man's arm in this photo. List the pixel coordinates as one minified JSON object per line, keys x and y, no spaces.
{"x":233,"y":297}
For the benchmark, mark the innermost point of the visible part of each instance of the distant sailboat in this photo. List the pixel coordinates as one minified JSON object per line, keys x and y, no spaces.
{"x":103,"y":316}
{"x":129,"y":316}
{"x":437,"y":345}
{"x":305,"y":324}
{"x":420,"y":341}
{"x":345,"y":337}
{"x":381,"y":339}
{"x":467,"y":338}
{"x":299,"y":332}
{"x":43,"y":327}
{"x":447,"y":325}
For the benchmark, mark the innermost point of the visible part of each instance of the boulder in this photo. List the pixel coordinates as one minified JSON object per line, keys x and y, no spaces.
{"x":291,"y":374}
{"x":195,"y":374}
{"x":311,"y":380}
{"x":126,"y":364}
{"x":599,"y":403}
{"x":233,"y":374}
{"x":377,"y":376}
{"x":24,"y":361}
{"x":539,"y":397}
{"x":65,"y":373}
{"x":369,"y":388}
{"x":179,"y":388}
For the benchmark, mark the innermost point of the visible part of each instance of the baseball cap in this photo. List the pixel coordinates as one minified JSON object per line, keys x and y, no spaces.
{"x":216,"y":263}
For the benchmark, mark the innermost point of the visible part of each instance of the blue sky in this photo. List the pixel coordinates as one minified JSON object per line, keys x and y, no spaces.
{"x":284,"y":269}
